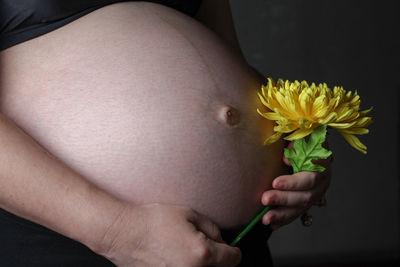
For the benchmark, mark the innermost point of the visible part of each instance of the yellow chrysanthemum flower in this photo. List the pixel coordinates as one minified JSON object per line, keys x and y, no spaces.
{"x":301,"y":108}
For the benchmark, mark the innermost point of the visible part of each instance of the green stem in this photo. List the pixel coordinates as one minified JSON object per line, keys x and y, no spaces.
{"x":250,"y":226}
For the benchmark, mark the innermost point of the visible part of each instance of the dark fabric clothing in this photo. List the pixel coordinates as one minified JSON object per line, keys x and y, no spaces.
{"x":21,"y":20}
{"x":24,"y":243}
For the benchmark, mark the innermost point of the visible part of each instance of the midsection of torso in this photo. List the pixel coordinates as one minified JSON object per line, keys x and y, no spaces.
{"x":133,"y":96}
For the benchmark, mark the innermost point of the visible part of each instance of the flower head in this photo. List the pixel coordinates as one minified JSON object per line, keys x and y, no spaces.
{"x":299,"y":108}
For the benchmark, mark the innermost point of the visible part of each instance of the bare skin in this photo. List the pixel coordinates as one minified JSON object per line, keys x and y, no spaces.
{"x":64,"y":176}
{"x":184,"y":131}
{"x":40,"y":188}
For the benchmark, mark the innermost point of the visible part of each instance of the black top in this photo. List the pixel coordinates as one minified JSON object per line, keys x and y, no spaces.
{"x":21,"y":20}
{"x":24,"y":243}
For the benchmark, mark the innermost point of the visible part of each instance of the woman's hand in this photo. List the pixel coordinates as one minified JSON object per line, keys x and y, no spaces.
{"x":37,"y":186}
{"x":166,"y":235}
{"x":292,"y":195}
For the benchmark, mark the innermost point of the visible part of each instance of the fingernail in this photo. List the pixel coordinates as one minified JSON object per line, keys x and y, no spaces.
{"x":279,"y":184}
{"x":271,"y":200}
{"x":265,"y":221}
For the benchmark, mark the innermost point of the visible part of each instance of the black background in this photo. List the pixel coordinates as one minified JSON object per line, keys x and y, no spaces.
{"x":354,"y":44}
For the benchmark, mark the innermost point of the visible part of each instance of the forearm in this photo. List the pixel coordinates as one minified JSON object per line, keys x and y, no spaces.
{"x":37,"y":186}
{"x":216,"y":15}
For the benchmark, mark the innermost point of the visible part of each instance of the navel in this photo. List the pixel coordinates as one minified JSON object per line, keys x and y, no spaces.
{"x":228,"y":115}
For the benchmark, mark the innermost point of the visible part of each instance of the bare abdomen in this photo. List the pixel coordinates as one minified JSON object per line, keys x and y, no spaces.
{"x":149,"y":105}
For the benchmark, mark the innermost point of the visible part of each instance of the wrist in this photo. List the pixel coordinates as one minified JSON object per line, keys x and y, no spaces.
{"x":98,"y":219}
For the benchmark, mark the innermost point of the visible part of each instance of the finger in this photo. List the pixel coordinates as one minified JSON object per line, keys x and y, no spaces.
{"x":296,"y":182}
{"x":302,"y":199}
{"x":285,"y":160}
{"x":224,"y":255}
{"x":205,"y":225}
{"x":281,"y":216}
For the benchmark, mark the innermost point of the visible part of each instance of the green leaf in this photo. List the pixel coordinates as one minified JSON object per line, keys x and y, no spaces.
{"x":307,"y":150}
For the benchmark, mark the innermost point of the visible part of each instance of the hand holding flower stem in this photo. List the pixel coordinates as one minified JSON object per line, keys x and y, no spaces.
{"x":300,"y":159}
{"x":307,"y":111}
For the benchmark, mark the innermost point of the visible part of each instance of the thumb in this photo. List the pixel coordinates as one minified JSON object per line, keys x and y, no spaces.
{"x":224,"y":255}
{"x":205,"y":225}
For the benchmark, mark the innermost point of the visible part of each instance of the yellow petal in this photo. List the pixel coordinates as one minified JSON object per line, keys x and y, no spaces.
{"x":271,"y":83}
{"x":331,"y":117}
{"x":352,"y":117}
{"x":280,"y":83}
{"x":355,"y":131}
{"x":346,"y":114}
{"x":342,"y":125}
{"x":283,"y":113}
{"x":355,"y":99}
{"x":299,"y":133}
{"x":319,"y":104}
{"x":263,"y":101}
{"x":305,"y":100}
{"x":264,"y":90}
{"x":321,"y":113}
{"x":365,"y":112}
{"x":261,"y":113}
{"x":273,"y":104}
{"x":285,"y":128}
{"x":334,"y":102}
{"x":304,"y":84}
{"x":281,"y":99}
{"x":272,"y":139}
{"x":287,"y":84}
{"x":354,"y":142}
{"x":363,"y":122}
{"x":270,"y":115}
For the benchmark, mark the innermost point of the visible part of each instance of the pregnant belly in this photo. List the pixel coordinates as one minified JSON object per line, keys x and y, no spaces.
{"x":149,"y":105}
